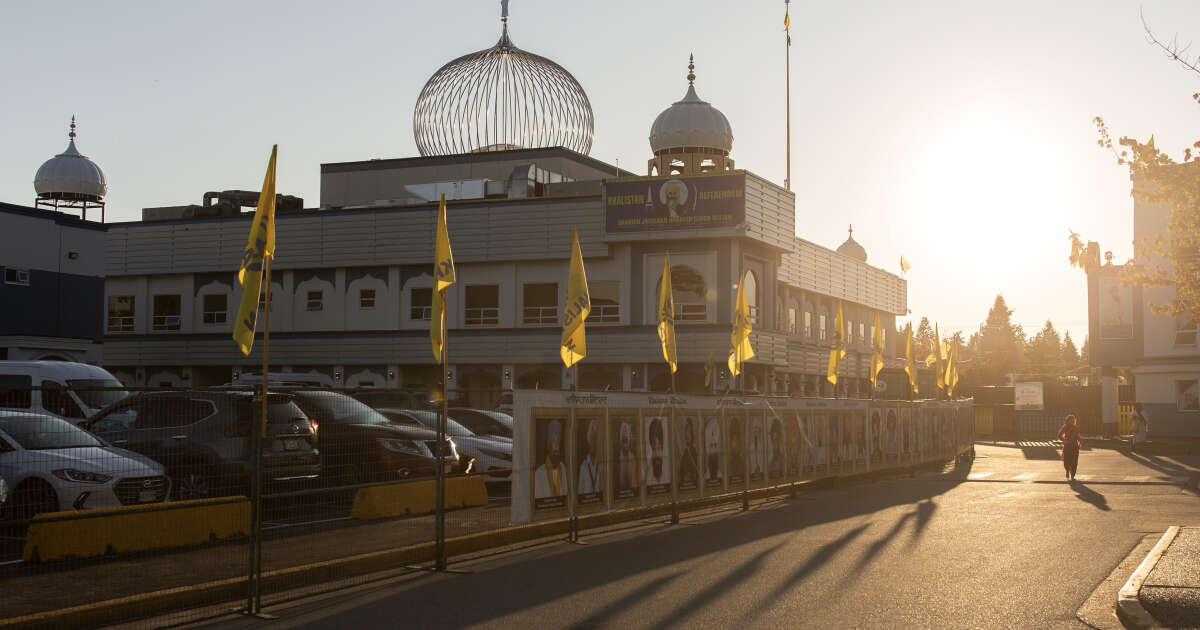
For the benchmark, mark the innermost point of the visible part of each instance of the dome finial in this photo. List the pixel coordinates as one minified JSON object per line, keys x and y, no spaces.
{"x":504,"y":42}
{"x":72,"y":134}
{"x":851,"y":230}
{"x":691,"y":69}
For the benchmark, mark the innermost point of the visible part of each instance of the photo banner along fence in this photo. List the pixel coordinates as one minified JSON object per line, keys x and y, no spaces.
{"x":581,"y":453}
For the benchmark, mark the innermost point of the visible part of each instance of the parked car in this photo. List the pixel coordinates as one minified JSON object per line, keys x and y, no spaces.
{"x":56,"y":466}
{"x":74,"y":391}
{"x":362,"y":446}
{"x":484,"y":421}
{"x":493,"y":455}
{"x":203,"y":438}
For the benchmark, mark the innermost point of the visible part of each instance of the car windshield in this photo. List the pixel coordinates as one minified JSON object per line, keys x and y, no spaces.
{"x":44,"y":432}
{"x":334,"y":407}
{"x":98,"y":393}
{"x":281,"y":409}
{"x":429,"y":420}
{"x":484,"y":422}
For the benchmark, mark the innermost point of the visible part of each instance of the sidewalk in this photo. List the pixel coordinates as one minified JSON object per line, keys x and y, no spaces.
{"x":1153,"y":446}
{"x":1171,"y":593}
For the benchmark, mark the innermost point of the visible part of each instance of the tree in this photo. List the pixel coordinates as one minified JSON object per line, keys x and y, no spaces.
{"x":1044,"y":353}
{"x":1070,"y":355}
{"x":999,"y":346}
{"x":1172,"y":258}
{"x":923,"y":339}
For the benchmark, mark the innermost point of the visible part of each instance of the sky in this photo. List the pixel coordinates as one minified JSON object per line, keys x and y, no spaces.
{"x":957,"y":134}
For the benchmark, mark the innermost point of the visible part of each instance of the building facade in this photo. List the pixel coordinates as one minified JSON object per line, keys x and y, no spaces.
{"x":53,"y":286}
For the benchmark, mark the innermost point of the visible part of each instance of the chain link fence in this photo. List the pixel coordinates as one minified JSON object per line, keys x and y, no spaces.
{"x":165,"y":488}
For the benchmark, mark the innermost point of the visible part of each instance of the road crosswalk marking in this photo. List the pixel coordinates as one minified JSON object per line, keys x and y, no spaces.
{"x":1138,"y":478}
{"x":981,"y":475}
{"x":1026,"y":476}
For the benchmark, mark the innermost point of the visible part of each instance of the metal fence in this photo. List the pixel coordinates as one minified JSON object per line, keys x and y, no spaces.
{"x":164,"y":488}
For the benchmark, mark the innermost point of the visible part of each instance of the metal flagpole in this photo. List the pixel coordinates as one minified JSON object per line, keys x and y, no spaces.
{"x":787,"y":182}
{"x":440,"y":474}
{"x":254,"y":601}
{"x":573,"y":535}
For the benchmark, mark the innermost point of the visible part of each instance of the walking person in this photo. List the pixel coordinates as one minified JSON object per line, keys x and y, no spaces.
{"x":1069,"y":434}
{"x":1141,"y":426}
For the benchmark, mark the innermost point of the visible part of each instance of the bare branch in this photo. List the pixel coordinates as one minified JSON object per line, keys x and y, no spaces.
{"x":1172,"y":50}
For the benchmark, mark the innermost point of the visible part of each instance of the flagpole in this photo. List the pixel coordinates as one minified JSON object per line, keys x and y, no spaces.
{"x":787,"y":182}
{"x":440,"y":518}
{"x":255,"y":605}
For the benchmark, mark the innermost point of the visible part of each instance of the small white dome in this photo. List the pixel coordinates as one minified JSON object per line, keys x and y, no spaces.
{"x":691,"y":122}
{"x":852,"y":248}
{"x":70,"y":175}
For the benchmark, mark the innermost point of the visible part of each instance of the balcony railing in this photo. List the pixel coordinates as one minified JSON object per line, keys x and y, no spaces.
{"x":481,"y":316}
{"x":691,"y":311}
{"x":120,"y":323}
{"x":539,"y":315}
{"x":164,"y":322}
{"x":421,"y":313}
{"x":610,"y":313}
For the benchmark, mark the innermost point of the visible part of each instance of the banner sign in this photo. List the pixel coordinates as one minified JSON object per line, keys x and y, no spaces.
{"x":1028,"y":396}
{"x":648,"y":204}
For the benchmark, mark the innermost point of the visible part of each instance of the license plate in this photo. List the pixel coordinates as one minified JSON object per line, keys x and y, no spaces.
{"x":147,"y":496}
{"x":291,"y":445}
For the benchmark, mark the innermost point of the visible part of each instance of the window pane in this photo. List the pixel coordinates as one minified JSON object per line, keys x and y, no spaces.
{"x":120,"y":313}
{"x":606,"y":301}
{"x":366,"y":299}
{"x":215,"y":308}
{"x":422,"y":304}
{"x":541,"y":303}
{"x":482,"y":306}
{"x":166,"y":312}
{"x":315,"y":301}
{"x":16,"y":391}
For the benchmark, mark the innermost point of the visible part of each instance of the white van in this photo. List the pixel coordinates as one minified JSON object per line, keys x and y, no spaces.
{"x":74,"y":391}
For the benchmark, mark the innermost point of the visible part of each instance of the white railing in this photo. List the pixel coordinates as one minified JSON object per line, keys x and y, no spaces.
{"x":481,"y":316}
{"x":540,"y":315}
{"x":164,"y":322}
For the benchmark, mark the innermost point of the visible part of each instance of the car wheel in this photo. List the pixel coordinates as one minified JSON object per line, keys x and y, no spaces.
{"x":32,"y":498}
{"x":191,"y":485}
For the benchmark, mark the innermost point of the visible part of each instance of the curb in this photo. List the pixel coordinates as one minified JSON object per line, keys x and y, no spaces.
{"x":1129,"y":606}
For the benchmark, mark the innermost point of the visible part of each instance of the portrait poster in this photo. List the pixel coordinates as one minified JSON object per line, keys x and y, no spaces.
{"x":551,"y":466}
{"x":875,"y":434}
{"x":906,"y":430}
{"x":794,"y":445}
{"x":757,"y":449}
{"x":893,"y":434}
{"x":1115,"y":309}
{"x":625,"y":457}
{"x":660,"y":204}
{"x":714,"y":455}
{"x":688,"y":447}
{"x":591,"y":477}
{"x":657,"y":438}
{"x":736,"y":460}
{"x":859,"y":445}
{"x":776,"y":448}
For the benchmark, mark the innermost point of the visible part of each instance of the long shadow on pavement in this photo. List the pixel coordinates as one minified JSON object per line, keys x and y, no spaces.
{"x":1158,"y":463}
{"x":1087,"y":495}
{"x":739,"y":575}
{"x":531,"y":582}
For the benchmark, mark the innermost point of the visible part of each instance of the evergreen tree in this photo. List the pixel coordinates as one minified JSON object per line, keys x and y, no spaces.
{"x":1070,"y":355}
{"x":1000,"y":344}
{"x":923,"y":339}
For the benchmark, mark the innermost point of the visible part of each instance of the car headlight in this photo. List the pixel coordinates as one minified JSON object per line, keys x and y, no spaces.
{"x":496,"y":454}
{"x":81,"y":476}
{"x":412,"y":447}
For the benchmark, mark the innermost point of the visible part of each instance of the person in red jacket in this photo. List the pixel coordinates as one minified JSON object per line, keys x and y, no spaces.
{"x":1069,"y":434}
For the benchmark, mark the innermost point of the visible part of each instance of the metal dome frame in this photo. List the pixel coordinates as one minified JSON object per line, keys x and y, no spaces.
{"x":502,"y":98}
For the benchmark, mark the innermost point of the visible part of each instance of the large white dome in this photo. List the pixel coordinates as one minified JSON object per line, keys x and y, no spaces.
{"x":691,"y":122}
{"x":70,"y":175}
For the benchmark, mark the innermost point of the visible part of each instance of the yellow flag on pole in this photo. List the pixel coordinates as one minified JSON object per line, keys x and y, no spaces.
{"x":443,"y":276}
{"x":952,"y":367}
{"x":904,"y":266}
{"x":579,"y":305}
{"x":666,"y":315}
{"x":708,"y":369}
{"x":837,"y":347}
{"x":876,"y":351}
{"x":740,"y":349}
{"x":259,"y":247}
{"x":910,"y":365}
{"x":939,"y":356}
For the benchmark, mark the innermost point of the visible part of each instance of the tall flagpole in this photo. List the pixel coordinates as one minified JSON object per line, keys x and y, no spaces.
{"x":256,"y":442}
{"x":440,"y":518}
{"x":787,"y":55}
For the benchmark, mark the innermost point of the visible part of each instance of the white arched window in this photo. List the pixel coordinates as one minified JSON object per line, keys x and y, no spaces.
{"x":750,"y":284}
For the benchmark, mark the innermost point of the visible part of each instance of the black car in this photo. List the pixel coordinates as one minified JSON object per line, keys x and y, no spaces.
{"x":360,"y":445}
{"x":203,"y":438}
{"x":484,"y":421}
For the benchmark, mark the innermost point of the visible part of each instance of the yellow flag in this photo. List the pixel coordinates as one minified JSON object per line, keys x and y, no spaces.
{"x":939,"y":357}
{"x":876,"y":351}
{"x":740,"y":349}
{"x":579,"y":305}
{"x":951,"y":367}
{"x":708,"y":368}
{"x":259,"y":247}
{"x":904,"y":266}
{"x":910,"y":365}
{"x":837,"y":347}
{"x":443,"y":276}
{"x":666,"y":316}
{"x":786,"y":21}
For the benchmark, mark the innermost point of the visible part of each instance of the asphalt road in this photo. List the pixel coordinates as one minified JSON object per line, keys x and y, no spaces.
{"x":1004,"y":542}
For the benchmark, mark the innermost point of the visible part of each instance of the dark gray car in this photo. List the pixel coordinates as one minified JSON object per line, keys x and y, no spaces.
{"x":203,"y":438}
